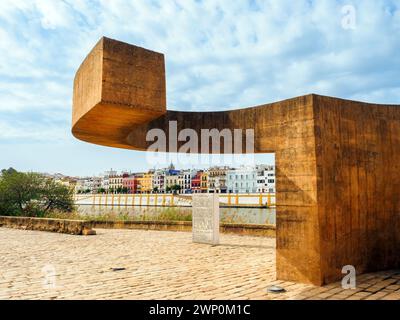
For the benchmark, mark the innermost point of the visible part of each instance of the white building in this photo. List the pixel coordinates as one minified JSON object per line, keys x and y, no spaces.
{"x":266,"y":179}
{"x":241,"y":180}
{"x":185,"y":180}
{"x":106,"y":179}
{"x":96,"y":184}
{"x":159,"y":181}
{"x":115,"y":183}
{"x":217,"y":184}
{"x":217,"y":179}
{"x":80,"y":185}
{"x":90,"y":185}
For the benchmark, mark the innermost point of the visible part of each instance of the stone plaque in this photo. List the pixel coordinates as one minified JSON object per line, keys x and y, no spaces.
{"x":205,"y":218}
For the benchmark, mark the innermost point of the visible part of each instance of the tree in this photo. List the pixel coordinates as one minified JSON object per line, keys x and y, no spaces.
{"x":32,"y":194}
{"x":175,"y":188}
{"x":9,"y":170}
{"x":155,"y":189}
{"x":55,"y":196}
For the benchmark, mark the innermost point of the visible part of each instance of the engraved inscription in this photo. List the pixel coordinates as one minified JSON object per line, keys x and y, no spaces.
{"x":205,"y":218}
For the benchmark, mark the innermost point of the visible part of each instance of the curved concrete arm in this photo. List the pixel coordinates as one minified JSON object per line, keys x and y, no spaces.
{"x":119,"y":95}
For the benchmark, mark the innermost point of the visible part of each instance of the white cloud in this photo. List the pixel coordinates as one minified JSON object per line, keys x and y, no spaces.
{"x":53,"y":14}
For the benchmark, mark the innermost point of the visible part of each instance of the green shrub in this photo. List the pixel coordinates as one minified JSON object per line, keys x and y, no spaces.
{"x":32,"y":194}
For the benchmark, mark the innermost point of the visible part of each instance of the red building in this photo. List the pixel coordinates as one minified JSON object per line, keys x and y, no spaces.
{"x":130,"y":183}
{"x":196,"y":183}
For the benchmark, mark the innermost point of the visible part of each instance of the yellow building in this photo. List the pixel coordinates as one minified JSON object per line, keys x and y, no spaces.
{"x":204,"y":182}
{"x":139,"y":181}
{"x":146,"y":182}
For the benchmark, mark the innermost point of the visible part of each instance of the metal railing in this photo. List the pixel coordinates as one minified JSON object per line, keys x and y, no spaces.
{"x":172,"y":200}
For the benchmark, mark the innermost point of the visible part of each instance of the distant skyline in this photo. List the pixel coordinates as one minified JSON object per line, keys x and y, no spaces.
{"x":219,"y":56}
{"x":127,"y":170}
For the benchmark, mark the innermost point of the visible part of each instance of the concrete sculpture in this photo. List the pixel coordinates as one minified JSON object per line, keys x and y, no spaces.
{"x":338,"y":161}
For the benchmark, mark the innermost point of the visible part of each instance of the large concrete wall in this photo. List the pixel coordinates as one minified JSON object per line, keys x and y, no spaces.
{"x":358,"y":164}
{"x":322,"y":146}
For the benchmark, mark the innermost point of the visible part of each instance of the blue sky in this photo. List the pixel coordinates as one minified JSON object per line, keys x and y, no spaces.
{"x":219,"y":55}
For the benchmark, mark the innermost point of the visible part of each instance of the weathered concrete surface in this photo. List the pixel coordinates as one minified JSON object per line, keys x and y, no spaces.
{"x":358,"y":185}
{"x":144,"y":225}
{"x":158,"y":265}
{"x":186,"y":226}
{"x":338,"y":176}
{"x":246,"y":229}
{"x":76,"y":227}
{"x":127,"y":81}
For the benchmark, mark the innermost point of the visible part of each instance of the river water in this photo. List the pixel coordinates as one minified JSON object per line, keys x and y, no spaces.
{"x":227,"y":215}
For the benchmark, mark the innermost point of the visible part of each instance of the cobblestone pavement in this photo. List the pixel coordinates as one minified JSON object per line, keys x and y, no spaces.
{"x":157,"y":265}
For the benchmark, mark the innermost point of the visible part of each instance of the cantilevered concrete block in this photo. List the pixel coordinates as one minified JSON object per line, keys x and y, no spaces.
{"x":119,"y":79}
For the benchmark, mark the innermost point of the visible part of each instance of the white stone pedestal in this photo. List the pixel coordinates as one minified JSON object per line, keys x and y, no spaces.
{"x":205,"y":218}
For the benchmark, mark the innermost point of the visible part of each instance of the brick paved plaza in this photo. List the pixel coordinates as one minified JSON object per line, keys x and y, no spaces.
{"x":158,"y":265}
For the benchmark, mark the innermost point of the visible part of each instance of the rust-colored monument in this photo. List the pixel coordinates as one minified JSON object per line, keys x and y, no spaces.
{"x":338,"y":161}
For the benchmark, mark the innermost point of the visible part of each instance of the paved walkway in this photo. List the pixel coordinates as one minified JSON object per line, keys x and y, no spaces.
{"x":156,"y":265}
